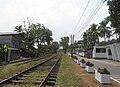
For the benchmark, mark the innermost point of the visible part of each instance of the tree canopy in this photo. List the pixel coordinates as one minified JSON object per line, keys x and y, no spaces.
{"x":114,"y":11}
{"x":64,"y":43}
{"x":37,"y":35}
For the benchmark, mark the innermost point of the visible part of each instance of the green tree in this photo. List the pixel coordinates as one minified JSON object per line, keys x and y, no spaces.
{"x":29,"y":41}
{"x":35,"y":34}
{"x":64,"y":43}
{"x":114,"y":10}
{"x":42,"y":36}
{"x":47,"y":35}
{"x":92,"y":32}
{"x":54,"y":47}
{"x":105,"y":31}
{"x":90,"y":38}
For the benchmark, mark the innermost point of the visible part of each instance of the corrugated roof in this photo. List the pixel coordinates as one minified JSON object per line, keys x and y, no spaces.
{"x":9,"y":33}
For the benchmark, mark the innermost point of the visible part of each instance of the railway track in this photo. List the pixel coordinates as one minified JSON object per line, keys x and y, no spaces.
{"x":41,"y":75}
{"x":28,"y":61}
{"x":24,"y":61}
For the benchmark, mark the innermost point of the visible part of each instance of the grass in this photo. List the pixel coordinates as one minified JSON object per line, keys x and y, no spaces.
{"x":21,"y":85}
{"x":32,"y":77}
{"x":67,"y":76}
{"x":11,"y":69}
{"x":72,"y":75}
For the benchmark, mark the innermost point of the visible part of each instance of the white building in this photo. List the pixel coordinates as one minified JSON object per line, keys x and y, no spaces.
{"x":109,"y":52}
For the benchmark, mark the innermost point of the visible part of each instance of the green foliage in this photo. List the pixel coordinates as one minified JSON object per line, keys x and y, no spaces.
{"x":104,"y":31}
{"x":64,"y":43}
{"x":75,"y":45}
{"x":80,"y":43}
{"x":11,"y":69}
{"x":18,"y":28}
{"x":114,"y":10}
{"x":82,"y":61}
{"x":35,"y":34}
{"x":89,"y":64}
{"x":103,"y":71}
{"x":54,"y":47}
{"x":92,"y":34}
{"x":3,"y":51}
{"x":74,"y":57}
{"x":103,"y":43}
{"x":90,"y":37}
{"x":3,"y":48}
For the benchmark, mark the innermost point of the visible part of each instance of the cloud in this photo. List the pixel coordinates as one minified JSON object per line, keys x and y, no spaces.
{"x":60,"y":16}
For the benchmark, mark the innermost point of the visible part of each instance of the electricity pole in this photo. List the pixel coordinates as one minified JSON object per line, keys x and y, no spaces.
{"x":72,"y":42}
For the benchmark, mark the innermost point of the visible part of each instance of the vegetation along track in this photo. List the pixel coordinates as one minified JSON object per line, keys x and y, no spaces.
{"x":11,"y":69}
{"x":37,"y":76}
{"x":30,"y":60}
{"x":24,"y":61}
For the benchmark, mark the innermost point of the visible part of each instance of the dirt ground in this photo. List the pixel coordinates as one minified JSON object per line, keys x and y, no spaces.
{"x":88,"y":79}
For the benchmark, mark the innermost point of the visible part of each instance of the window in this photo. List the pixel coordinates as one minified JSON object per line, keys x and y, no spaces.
{"x":109,"y":52}
{"x":100,"y":50}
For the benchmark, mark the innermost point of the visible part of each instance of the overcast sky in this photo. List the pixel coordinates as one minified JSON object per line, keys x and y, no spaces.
{"x":60,"y":16}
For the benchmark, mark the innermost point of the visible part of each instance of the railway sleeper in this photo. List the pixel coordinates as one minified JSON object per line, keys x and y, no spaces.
{"x":27,"y":78}
{"x":54,"y":73}
{"x":25,"y":82}
{"x":42,"y":76}
{"x":51,"y":83}
{"x":52,"y":79}
{"x":53,"y":76}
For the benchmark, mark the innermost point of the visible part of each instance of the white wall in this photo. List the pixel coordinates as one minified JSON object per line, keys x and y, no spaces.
{"x":99,"y":55}
{"x":115,"y":48}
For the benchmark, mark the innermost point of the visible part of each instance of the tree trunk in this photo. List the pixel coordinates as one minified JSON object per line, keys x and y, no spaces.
{"x":65,"y":51}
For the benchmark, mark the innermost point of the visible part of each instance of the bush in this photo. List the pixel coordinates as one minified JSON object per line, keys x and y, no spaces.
{"x":82,"y":61}
{"x":89,"y":64}
{"x":103,"y":71}
{"x":74,"y":57}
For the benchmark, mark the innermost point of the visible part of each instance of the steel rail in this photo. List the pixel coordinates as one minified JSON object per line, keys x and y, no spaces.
{"x":30,"y":60}
{"x":20,"y":73}
{"x":43,"y":83}
{"x":24,"y":60}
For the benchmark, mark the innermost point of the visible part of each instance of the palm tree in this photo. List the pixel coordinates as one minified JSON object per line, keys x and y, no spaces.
{"x":104,"y":31}
{"x":94,"y":34}
{"x":90,"y":38}
{"x":18,"y":28}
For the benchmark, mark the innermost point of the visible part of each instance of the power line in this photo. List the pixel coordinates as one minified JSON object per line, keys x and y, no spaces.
{"x":81,"y":16}
{"x":89,"y":12}
{"x":89,"y":19}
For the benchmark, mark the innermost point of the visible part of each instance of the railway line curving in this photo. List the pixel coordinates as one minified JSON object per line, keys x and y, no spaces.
{"x":39,"y":75}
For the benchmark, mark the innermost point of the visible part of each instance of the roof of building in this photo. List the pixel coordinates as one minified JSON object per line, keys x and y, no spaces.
{"x":13,"y":49}
{"x":9,"y":33}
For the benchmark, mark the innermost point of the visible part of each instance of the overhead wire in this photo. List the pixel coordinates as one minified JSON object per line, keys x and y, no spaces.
{"x":81,"y":16}
{"x":89,"y":12}
{"x":84,"y":27}
{"x":90,"y":17}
